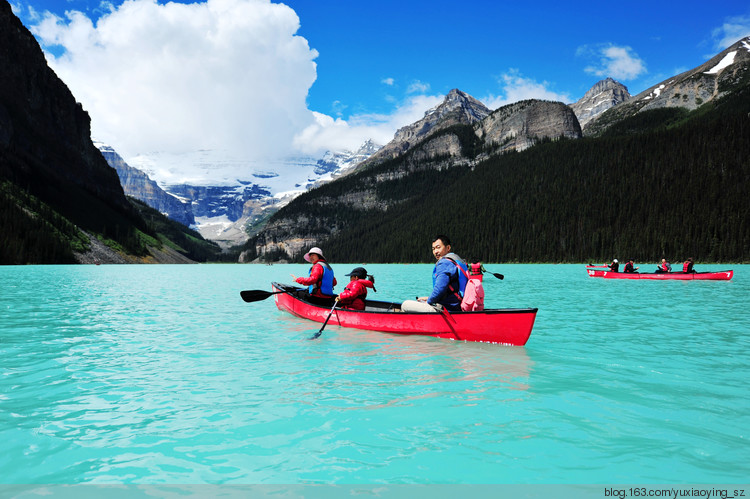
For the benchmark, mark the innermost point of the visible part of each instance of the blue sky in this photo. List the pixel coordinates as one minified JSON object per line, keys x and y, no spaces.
{"x":326,"y":74}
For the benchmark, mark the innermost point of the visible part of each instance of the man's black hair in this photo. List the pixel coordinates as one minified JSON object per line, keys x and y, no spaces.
{"x":443,"y":239}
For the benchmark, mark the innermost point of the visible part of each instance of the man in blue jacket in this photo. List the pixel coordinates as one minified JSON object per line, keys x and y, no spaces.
{"x":449,"y":279}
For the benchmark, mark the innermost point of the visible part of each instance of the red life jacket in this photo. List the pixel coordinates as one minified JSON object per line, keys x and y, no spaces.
{"x":354,"y":294}
{"x":475,"y":271}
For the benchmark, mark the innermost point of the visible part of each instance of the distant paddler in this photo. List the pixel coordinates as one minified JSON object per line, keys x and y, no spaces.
{"x":629,"y":267}
{"x":687,"y":267}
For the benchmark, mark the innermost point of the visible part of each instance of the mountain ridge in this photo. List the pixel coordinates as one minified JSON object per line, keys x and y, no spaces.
{"x":334,"y":212}
{"x":457,"y":108}
{"x":688,"y":90}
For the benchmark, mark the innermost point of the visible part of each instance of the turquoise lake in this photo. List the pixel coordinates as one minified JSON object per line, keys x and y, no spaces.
{"x":156,"y":374}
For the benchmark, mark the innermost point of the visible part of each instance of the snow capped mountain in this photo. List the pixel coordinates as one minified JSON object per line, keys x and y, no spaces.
{"x":341,"y":163}
{"x":137,"y":184}
{"x":221,"y":192}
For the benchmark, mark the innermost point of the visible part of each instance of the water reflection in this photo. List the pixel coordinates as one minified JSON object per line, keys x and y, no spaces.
{"x":443,"y":360}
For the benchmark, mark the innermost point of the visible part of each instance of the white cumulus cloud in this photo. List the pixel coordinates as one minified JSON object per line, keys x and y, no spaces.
{"x":516,"y":87}
{"x":339,"y":134}
{"x":621,"y":63}
{"x":223,"y":74}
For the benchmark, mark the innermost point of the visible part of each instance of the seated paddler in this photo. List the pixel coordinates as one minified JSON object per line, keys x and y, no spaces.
{"x":320,"y":281}
{"x":449,"y":278}
{"x":355,"y":293}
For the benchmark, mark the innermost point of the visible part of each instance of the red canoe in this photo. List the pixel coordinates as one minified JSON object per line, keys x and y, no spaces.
{"x":723,"y":275}
{"x":510,"y":326}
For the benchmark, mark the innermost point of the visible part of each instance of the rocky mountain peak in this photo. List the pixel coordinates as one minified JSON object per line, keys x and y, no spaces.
{"x":457,"y":108}
{"x":603,"y":95}
{"x":468,"y":108}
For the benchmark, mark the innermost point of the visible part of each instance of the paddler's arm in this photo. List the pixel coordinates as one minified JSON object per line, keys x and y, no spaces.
{"x":442,"y":280}
{"x":315,"y":275}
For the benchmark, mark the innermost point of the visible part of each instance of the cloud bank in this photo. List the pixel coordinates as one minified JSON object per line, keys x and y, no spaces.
{"x":223,"y":74}
{"x":340,"y":134}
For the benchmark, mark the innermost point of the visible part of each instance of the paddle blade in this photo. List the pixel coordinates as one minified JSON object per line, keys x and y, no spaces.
{"x":255,"y":295}
{"x":499,"y":276}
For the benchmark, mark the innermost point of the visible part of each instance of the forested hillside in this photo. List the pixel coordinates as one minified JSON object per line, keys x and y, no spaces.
{"x":664,"y":183}
{"x":186,"y":241}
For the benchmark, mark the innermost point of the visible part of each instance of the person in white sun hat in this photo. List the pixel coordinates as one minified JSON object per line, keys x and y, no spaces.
{"x":321,"y":280}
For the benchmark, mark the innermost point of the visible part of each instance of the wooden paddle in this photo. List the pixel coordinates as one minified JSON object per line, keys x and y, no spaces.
{"x":257,"y":294}
{"x":320,"y":331}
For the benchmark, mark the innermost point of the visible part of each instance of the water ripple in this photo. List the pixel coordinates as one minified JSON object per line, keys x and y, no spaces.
{"x":144,"y":374}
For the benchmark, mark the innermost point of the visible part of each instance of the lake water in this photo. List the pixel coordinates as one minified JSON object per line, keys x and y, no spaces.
{"x":160,"y":374}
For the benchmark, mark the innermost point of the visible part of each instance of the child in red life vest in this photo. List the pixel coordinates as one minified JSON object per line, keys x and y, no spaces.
{"x":473,"y":299}
{"x":354,"y":294}
{"x":687,"y":267}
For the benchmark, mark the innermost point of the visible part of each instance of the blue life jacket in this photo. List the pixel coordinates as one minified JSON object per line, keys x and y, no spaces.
{"x":326,"y":284}
{"x":456,"y":284}
{"x":463,"y":275}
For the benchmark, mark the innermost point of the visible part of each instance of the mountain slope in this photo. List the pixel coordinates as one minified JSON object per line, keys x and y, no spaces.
{"x":223,"y":195}
{"x":47,"y":158}
{"x":674,"y":191}
{"x":421,"y":156}
{"x":520,"y":125}
{"x":688,"y":90}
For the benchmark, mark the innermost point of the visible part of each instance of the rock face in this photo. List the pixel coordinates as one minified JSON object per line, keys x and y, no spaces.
{"x":688,"y":90}
{"x":515,"y":126}
{"x":137,"y":184}
{"x":519,"y":125}
{"x":45,"y":135}
{"x":457,"y":108}
{"x":603,"y":95}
